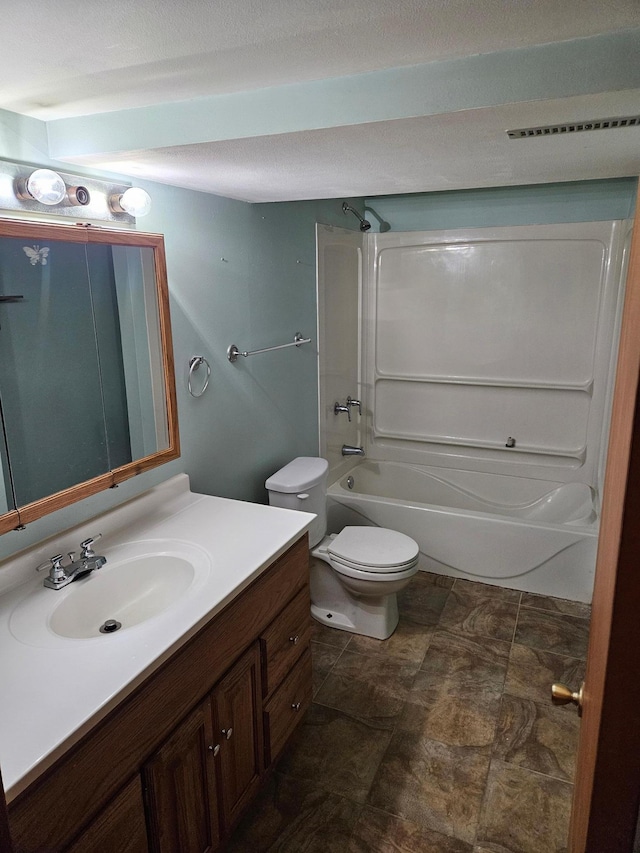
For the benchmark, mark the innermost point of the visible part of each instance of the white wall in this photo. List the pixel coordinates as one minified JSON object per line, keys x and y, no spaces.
{"x":475,"y":336}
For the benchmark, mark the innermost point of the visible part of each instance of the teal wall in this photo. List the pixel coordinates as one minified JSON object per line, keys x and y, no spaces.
{"x":258,"y":413}
{"x":580,"y":201}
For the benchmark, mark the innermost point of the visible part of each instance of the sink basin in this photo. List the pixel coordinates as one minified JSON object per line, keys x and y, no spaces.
{"x":139,"y":582}
{"x":131,"y":592}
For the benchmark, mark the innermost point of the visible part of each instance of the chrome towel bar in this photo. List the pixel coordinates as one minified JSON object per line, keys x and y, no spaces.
{"x":233,"y":352}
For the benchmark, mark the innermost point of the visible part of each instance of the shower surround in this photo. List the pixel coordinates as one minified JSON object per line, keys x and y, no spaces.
{"x":484,"y":359}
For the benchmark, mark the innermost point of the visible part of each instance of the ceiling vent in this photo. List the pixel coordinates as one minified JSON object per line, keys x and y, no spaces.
{"x":574,"y":127}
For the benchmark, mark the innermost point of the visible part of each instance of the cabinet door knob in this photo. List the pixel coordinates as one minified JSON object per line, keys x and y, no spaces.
{"x":215,"y":749}
{"x":294,"y":640}
{"x":295,"y":706}
{"x":227,"y":732}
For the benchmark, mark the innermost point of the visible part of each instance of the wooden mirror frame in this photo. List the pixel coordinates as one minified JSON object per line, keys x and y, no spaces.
{"x":37,"y":232}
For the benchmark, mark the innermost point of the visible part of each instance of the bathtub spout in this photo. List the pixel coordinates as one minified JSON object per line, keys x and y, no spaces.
{"x":349,"y":450}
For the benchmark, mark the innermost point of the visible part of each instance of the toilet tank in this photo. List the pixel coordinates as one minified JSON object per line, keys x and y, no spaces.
{"x":302,"y":485}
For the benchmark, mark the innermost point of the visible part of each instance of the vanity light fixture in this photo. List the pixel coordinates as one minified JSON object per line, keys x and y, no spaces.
{"x":45,"y":186}
{"x":134,"y":201}
{"x":64,"y":195}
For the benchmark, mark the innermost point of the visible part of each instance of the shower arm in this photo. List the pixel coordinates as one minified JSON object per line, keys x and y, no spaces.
{"x":365,"y":225}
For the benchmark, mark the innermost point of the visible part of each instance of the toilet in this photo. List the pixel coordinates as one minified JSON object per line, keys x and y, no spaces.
{"x":357,"y":572}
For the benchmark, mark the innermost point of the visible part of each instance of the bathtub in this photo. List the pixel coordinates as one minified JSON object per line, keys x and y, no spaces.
{"x":533,"y":535}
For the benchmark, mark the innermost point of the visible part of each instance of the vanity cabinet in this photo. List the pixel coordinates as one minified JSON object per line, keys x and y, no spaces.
{"x":200,"y":780}
{"x":173,"y":766}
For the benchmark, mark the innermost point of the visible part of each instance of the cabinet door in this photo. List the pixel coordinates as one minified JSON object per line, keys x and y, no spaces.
{"x":181,"y":788}
{"x":120,"y":826}
{"x":237,"y":716}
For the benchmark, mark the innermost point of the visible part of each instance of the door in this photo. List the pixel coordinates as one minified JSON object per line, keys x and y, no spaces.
{"x":238,"y":718}
{"x":607,"y":788}
{"x":181,"y":790}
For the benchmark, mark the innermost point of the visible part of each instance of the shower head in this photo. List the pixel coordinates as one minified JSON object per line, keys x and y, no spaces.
{"x":364,"y":223}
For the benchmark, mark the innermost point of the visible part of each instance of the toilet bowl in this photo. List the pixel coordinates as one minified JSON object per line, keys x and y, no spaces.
{"x":355,"y":574}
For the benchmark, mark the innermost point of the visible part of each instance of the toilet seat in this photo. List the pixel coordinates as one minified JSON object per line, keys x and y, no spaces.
{"x":394,"y":574}
{"x":374,"y":550}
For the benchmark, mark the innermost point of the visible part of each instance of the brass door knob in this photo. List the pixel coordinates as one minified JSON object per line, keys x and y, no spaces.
{"x":562,"y":695}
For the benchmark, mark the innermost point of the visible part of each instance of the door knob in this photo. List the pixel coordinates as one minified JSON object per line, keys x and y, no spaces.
{"x":562,"y":695}
{"x":227,"y":732}
{"x":215,"y":749}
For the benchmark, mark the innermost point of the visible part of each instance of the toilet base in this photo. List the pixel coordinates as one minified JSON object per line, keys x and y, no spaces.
{"x":378,"y":622}
{"x":334,"y":605}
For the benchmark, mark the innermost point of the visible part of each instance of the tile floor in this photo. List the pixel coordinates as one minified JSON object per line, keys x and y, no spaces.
{"x":442,"y":739}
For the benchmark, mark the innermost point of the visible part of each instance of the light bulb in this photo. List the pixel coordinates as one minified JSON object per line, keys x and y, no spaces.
{"x":46,"y":186}
{"x":135,"y":201}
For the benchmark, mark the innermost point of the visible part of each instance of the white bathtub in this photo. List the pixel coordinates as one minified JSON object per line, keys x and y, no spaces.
{"x":533,"y":535}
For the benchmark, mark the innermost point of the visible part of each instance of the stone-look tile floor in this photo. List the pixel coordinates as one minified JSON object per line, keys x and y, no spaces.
{"x":442,"y":739}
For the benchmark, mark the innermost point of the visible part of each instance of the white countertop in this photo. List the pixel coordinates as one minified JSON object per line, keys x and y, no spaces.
{"x":53,"y":692}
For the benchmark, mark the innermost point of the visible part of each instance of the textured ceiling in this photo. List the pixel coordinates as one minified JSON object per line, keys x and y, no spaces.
{"x":461,"y":149}
{"x":63,"y":60}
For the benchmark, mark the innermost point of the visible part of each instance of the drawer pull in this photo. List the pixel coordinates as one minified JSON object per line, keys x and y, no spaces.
{"x":295,"y":640}
{"x":227,"y":733}
{"x":215,"y":749}
{"x":296,"y":706}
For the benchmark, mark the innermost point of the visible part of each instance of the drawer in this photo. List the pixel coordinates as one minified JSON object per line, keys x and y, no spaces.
{"x":284,"y":711}
{"x":284,"y":640}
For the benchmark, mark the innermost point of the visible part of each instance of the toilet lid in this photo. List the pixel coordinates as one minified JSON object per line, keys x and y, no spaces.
{"x":376,"y":548}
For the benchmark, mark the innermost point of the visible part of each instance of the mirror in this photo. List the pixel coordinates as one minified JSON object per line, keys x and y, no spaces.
{"x":87,"y":389}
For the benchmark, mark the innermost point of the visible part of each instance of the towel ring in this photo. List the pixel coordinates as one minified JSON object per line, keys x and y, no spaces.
{"x":194,"y":363}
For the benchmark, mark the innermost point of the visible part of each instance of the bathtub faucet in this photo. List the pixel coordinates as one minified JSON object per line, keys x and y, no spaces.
{"x":349,"y":450}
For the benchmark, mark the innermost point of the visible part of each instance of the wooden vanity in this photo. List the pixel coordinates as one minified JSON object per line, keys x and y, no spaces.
{"x":175,"y":764}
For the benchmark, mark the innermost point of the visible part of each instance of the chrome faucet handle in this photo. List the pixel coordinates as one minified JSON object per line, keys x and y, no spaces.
{"x":87,"y":550}
{"x":57,"y":572}
{"x":338,"y":408}
{"x":351,"y":402}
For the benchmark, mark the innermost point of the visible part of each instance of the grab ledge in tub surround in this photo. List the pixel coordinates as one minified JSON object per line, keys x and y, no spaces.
{"x":73,"y":683}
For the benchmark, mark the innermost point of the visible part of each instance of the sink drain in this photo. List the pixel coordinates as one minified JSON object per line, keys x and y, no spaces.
{"x":110,"y":626}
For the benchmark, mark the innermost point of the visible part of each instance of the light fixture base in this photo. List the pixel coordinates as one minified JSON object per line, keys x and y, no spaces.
{"x":15,"y":197}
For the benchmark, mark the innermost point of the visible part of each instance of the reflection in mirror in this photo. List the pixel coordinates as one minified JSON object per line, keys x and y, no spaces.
{"x":85,"y":381}
{"x":50,"y":375}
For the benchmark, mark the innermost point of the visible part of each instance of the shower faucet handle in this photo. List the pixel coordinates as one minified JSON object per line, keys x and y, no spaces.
{"x":338,"y":408}
{"x":351,"y":402}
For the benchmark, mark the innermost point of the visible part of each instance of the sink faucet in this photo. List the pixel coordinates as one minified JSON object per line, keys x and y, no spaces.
{"x":88,"y":561}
